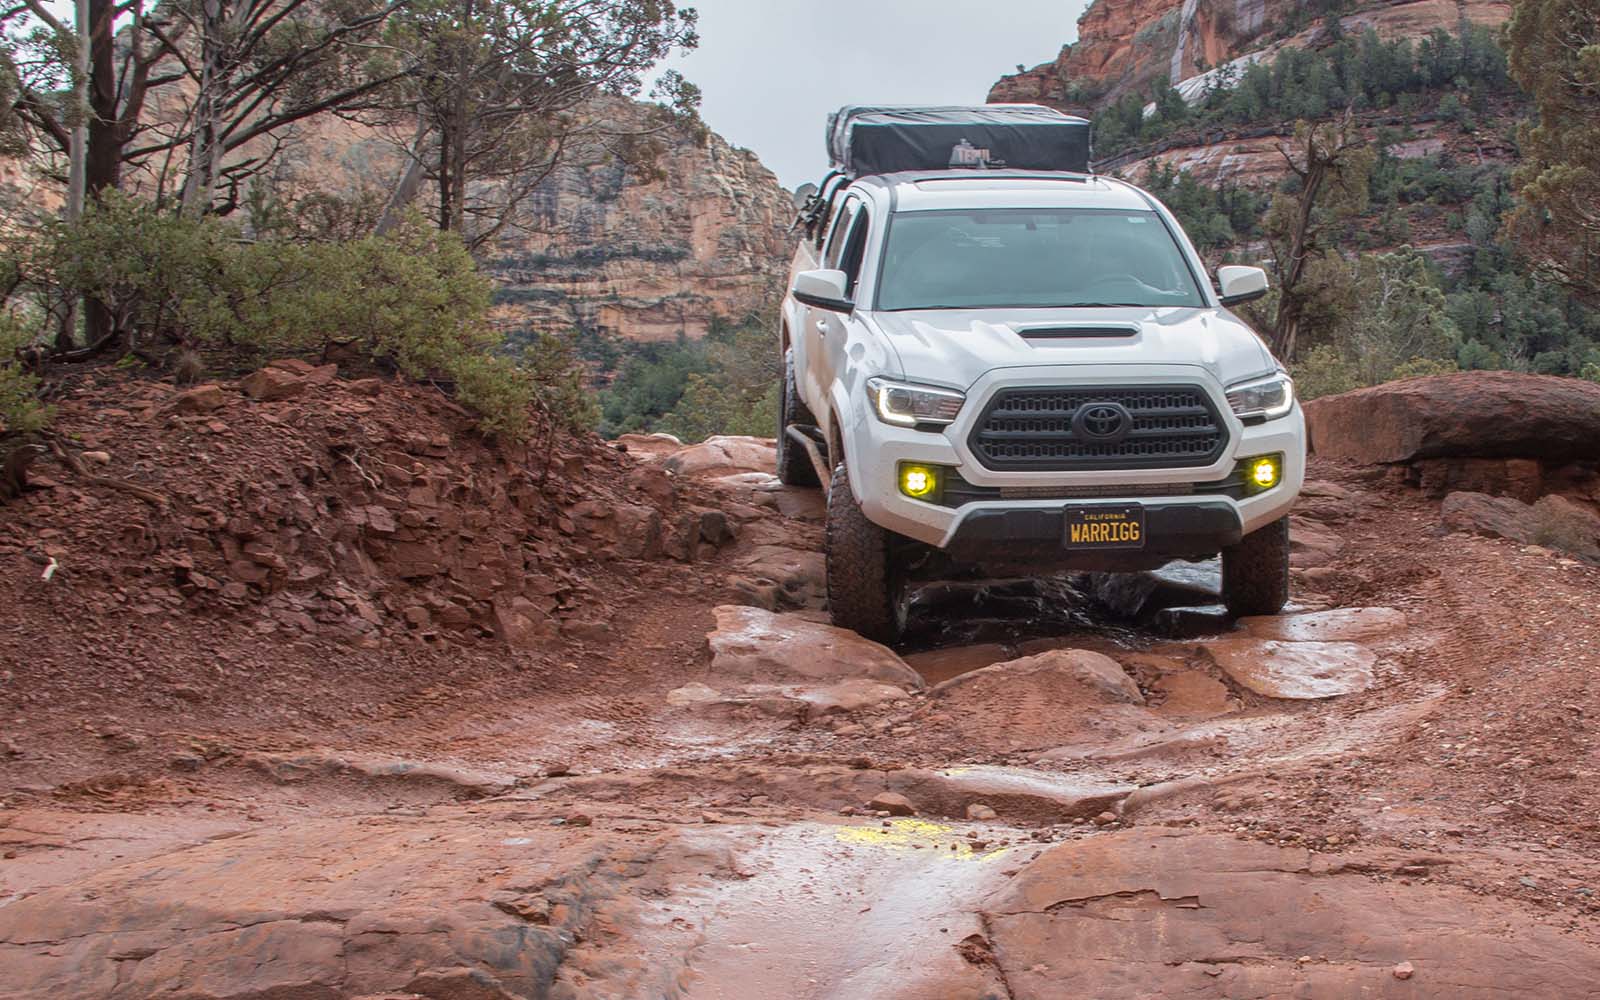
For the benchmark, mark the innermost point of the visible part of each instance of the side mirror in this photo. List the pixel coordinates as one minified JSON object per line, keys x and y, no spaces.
{"x":823,"y":290}
{"x":1238,"y":285}
{"x":803,"y":195}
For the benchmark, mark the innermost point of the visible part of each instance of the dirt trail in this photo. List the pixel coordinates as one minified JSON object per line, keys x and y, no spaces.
{"x":1114,"y":792}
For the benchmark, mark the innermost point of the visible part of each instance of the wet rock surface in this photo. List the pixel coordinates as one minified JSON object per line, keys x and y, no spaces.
{"x":754,"y":644}
{"x":663,"y":788}
{"x":1162,"y":913}
{"x":1295,"y":670}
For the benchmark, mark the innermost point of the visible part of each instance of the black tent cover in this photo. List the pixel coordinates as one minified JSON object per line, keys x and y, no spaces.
{"x":864,"y":140}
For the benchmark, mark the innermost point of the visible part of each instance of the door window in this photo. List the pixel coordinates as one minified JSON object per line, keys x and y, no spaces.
{"x":837,"y":236}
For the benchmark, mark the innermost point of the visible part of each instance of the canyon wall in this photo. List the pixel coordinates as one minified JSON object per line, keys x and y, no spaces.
{"x":1128,"y":45}
{"x":647,"y":258}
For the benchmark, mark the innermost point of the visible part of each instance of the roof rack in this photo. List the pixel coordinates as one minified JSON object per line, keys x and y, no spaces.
{"x":865,"y":140}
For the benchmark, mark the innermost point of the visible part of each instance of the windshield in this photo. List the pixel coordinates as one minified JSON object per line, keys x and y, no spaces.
{"x":1033,"y":258}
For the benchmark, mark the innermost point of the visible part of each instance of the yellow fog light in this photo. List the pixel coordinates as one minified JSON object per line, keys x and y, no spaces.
{"x":920,"y":482}
{"x":1265,"y":473}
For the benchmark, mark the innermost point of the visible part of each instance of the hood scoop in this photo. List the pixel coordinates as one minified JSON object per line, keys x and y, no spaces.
{"x":1048,"y":334}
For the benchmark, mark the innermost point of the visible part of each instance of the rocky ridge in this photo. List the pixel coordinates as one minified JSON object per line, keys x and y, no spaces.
{"x":1126,"y":46}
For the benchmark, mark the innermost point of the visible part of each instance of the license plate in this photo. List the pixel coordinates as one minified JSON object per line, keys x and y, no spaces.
{"x":1104,"y":528}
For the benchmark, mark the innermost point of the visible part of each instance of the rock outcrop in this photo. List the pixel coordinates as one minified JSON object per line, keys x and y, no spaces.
{"x":1125,"y":46}
{"x":1156,"y":913}
{"x":647,"y":259}
{"x":1128,"y":46}
{"x":752,"y":644}
{"x":1505,"y":415}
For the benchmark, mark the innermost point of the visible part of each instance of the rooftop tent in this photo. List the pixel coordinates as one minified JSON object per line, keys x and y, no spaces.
{"x":882,"y":140}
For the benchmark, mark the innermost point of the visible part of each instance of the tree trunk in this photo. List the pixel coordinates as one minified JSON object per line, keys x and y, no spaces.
{"x":205,"y":154}
{"x":1286,"y":326}
{"x":102,"y":167}
{"x":405,"y":192}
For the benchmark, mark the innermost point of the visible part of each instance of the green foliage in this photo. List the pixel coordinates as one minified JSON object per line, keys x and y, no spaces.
{"x":1554,"y":48}
{"x":649,"y":385}
{"x":411,"y":301}
{"x":1214,"y":218}
{"x":1381,"y":317}
{"x":1361,"y":72}
{"x":20,"y":409}
{"x":1323,"y":371}
{"x":738,"y":394}
{"x":726,"y":383}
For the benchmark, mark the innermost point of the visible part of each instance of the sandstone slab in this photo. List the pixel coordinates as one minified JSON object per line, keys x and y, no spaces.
{"x":1298,"y":671}
{"x":459,"y":907}
{"x":1337,"y":625}
{"x":754,"y":644}
{"x":723,"y":455}
{"x":1161,"y":913}
{"x":1469,"y":414}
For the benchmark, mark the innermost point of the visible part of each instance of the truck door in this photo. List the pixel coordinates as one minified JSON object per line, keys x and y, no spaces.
{"x":826,"y":331}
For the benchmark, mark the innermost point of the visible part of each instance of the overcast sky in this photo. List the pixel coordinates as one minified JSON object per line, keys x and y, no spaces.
{"x":772,"y":70}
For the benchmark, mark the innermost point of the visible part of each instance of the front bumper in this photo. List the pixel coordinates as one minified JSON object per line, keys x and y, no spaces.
{"x":1184,"y":524}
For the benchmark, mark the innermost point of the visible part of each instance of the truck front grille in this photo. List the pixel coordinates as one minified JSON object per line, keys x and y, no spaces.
{"x":1038,"y":430}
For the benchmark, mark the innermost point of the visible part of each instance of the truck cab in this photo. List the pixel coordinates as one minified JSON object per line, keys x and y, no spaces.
{"x":1027,"y":371}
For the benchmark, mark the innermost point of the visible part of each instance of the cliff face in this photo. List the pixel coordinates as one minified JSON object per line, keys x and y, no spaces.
{"x":648,"y":258}
{"x":1127,"y":45}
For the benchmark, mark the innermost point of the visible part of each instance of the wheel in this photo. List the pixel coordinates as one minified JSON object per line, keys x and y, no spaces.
{"x":794,"y":465}
{"x":1255,"y":573}
{"x":863,"y":586}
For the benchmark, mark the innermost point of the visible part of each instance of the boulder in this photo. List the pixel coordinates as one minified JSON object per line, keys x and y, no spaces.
{"x":723,"y":455}
{"x":1469,"y":414}
{"x":486,"y":906}
{"x":754,"y":644}
{"x":1095,"y":672}
{"x":271,"y":384}
{"x":649,"y":446}
{"x":799,"y":576}
{"x":1336,"y":625}
{"x":200,"y":399}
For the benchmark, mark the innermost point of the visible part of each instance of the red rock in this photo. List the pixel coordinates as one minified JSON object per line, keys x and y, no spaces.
{"x":752,"y":644}
{"x":272,"y":384}
{"x":200,"y":399}
{"x":892,"y":803}
{"x":1470,"y":414}
{"x":1404,"y":970}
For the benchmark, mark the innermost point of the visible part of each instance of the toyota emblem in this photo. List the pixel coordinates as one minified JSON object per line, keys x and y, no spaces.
{"x":1102,"y":423}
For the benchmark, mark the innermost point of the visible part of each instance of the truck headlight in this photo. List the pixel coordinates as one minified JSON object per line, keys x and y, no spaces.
{"x":1262,"y":398}
{"x":908,"y":405}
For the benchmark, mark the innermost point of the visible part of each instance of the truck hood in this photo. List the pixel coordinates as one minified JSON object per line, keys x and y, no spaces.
{"x":957,"y":347}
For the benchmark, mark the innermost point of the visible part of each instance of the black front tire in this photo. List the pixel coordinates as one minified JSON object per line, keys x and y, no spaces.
{"x":864,"y":590}
{"x":1255,"y":573}
{"x":794,"y":464}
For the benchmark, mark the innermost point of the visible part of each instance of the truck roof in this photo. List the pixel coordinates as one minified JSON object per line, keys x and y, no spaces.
{"x":928,"y":191}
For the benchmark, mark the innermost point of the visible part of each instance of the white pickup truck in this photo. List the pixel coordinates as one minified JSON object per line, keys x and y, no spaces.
{"x":1025,"y":371}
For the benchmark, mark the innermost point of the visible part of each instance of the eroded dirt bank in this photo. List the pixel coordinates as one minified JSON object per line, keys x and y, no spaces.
{"x":1087,"y":787}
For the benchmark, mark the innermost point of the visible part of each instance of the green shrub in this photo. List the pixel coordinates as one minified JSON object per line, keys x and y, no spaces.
{"x":1322,"y":371}
{"x":20,"y":409}
{"x":1418,"y":367}
{"x":411,"y":301}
